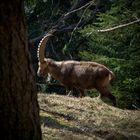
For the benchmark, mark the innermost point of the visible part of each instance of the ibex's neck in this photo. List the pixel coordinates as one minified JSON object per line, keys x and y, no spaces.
{"x":54,"y":68}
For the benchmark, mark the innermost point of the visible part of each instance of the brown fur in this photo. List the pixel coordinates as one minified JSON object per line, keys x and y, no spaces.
{"x":79,"y":75}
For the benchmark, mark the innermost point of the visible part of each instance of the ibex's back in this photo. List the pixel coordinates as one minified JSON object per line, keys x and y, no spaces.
{"x":83,"y":75}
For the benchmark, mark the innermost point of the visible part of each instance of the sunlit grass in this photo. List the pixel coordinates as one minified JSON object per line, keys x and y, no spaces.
{"x":71,"y":118}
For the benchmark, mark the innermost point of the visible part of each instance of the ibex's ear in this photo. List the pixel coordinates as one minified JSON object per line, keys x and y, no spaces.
{"x":42,"y":62}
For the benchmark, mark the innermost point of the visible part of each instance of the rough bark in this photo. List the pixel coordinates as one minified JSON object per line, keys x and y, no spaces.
{"x":19,"y":110}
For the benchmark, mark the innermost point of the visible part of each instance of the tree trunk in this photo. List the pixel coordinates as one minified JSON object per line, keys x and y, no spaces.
{"x":19,"y":110}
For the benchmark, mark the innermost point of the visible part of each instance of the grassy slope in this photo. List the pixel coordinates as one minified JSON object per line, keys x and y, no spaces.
{"x":69,"y":118}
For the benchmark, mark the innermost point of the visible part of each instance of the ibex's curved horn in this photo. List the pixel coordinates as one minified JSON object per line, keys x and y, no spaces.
{"x":42,"y":45}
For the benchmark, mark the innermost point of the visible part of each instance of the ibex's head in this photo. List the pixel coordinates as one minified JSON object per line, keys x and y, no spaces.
{"x":42,"y":64}
{"x":43,"y":67}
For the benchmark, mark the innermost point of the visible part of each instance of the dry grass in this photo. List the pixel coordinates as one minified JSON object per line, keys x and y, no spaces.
{"x":69,"y":118}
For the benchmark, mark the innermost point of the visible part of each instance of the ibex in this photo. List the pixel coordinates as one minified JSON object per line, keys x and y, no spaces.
{"x":74,"y":74}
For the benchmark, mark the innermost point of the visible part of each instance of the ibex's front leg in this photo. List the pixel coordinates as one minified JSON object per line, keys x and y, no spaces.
{"x":69,"y":92}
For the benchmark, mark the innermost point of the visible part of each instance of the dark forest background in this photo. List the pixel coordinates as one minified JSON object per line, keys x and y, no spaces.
{"x":82,"y":35}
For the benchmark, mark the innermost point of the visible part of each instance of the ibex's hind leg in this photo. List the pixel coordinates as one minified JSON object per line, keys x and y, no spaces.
{"x":106,"y":93}
{"x":82,"y":93}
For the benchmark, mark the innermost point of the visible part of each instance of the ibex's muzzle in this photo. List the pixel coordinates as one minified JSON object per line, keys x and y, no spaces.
{"x":40,"y":73}
{"x":41,"y":69}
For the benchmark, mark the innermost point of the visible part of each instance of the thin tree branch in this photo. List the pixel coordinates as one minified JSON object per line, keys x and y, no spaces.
{"x":59,"y":27}
{"x":75,"y":10}
{"x":79,"y":6}
{"x":119,"y":26}
{"x":79,"y":21}
{"x":57,"y":56}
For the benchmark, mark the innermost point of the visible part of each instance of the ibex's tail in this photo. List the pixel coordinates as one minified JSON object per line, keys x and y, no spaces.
{"x":111,"y":76}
